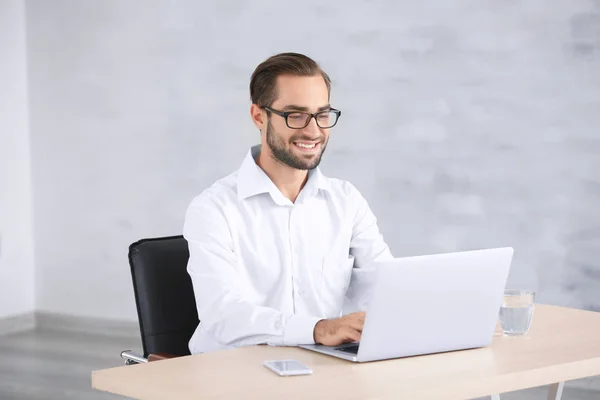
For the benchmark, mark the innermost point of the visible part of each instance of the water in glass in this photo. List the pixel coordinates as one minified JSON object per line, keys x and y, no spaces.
{"x":516,"y":312}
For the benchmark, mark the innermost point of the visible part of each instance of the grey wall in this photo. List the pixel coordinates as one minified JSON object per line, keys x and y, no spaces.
{"x":466,"y":124}
{"x":17,"y":289}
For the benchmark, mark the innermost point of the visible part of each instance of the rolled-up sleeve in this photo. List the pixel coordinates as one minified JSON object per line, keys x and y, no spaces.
{"x":219,"y":288}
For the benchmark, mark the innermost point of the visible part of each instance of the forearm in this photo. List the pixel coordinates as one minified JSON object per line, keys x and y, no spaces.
{"x":235,"y":322}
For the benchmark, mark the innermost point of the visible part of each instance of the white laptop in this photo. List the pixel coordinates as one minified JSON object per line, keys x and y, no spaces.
{"x":430,"y":304}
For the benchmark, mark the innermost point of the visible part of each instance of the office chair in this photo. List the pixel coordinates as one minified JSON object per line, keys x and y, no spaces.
{"x":164,"y":298}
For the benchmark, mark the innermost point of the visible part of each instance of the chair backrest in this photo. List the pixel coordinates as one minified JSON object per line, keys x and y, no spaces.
{"x":164,"y":294}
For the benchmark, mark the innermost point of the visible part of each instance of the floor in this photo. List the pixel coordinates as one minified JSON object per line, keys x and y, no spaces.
{"x":56,"y":365}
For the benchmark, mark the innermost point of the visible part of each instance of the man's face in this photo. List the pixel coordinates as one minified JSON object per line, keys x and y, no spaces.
{"x":298,"y":148}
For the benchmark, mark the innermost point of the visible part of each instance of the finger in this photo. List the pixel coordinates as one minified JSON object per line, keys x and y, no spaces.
{"x":358,"y":316}
{"x":355,"y":336}
{"x":354,"y":317}
{"x":351,"y":335}
{"x":357,"y":325}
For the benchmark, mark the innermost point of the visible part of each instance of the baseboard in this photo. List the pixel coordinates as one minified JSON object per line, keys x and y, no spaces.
{"x":90,"y":325}
{"x":68,"y":323}
{"x":17,"y":323}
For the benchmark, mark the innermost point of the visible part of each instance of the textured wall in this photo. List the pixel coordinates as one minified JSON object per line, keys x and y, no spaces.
{"x":466,"y":124}
{"x":16,"y":223}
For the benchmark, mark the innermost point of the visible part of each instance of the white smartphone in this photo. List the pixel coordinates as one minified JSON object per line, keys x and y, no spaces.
{"x":287,"y":367}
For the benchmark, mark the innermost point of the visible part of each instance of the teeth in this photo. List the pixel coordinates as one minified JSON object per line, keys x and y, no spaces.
{"x":306,"y":146}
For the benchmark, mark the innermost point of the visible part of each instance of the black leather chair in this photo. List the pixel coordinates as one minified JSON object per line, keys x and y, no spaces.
{"x":164,"y":297}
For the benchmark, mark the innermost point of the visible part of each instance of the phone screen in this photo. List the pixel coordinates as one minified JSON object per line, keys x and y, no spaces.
{"x":289,"y":365}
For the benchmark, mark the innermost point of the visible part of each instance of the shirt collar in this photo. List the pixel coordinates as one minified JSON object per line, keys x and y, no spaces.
{"x":252,"y":180}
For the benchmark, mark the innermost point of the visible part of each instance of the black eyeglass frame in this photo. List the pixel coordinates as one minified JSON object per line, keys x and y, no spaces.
{"x":285,"y":114}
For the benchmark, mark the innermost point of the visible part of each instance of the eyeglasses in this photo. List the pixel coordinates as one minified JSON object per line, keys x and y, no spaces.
{"x":299,"y":120}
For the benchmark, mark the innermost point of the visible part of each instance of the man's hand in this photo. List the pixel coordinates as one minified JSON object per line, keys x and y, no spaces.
{"x":333,"y":332}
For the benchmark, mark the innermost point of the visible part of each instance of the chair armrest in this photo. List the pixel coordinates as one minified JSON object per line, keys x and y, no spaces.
{"x":133,"y":358}
{"x":160,"y":356}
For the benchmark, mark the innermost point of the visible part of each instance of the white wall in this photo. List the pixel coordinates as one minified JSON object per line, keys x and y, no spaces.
{"x":16,"y":222}
{"x":466,"y":124}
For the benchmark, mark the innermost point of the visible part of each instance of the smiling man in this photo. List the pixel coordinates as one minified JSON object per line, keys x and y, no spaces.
{"x":275,"y":245}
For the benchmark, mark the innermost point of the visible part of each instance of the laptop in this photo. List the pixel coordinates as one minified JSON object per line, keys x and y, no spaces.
{"x":430,"y":304}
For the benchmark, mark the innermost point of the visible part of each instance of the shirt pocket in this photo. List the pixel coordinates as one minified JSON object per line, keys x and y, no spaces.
{"x":336,"y":272}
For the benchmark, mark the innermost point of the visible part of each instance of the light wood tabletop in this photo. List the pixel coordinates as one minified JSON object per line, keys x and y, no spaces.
{"x":563,"y":344}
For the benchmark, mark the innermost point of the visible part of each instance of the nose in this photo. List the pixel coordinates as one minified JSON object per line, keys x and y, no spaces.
{"x":312,"y":128}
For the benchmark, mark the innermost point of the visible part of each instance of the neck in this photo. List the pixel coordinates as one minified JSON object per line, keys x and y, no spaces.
{"x":289,"y":181}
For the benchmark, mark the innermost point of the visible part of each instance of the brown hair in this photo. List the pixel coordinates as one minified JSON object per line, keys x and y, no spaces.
{"x":263,"y":91}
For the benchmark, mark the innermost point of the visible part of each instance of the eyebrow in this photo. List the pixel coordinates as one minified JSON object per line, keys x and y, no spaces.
{"x":293,"y":107}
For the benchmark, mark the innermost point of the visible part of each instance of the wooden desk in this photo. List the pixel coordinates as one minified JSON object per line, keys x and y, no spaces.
{"x":563,"y":344}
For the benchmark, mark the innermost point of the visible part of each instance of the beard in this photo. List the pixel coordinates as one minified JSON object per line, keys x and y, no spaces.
{"x":285,"y":155}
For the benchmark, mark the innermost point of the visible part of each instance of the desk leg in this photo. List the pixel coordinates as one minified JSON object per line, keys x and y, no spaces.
{"x":555,"y":391}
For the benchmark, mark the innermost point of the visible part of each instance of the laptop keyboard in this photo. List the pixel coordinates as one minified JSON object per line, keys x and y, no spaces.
{"x":348,"y":349}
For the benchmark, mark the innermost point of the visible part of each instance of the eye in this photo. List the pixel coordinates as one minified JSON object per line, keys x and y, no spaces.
{"x":297,"y":116}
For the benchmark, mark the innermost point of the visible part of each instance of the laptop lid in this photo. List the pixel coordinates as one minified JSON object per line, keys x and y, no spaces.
{"x":436,"y":303}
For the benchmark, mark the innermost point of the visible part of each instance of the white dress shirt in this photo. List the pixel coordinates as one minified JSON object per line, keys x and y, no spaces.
{"x":266,"y":270}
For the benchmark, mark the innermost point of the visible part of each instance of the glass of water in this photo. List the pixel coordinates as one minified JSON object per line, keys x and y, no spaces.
{"x":516,"y":311}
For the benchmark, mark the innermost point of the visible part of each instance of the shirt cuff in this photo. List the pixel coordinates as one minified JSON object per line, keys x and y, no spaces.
{"x":300,"y":330}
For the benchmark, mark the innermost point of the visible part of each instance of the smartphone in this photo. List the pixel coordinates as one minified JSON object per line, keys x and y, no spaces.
{"x":287,"y":367}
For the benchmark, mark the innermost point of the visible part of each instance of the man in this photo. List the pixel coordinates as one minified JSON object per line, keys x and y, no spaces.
{"x":274,"y":245}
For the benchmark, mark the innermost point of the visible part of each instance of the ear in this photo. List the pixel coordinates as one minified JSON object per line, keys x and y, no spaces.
{"x":258,"y":116}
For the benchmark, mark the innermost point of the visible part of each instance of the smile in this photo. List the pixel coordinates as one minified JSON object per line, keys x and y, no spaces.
{"x":307,"y":146}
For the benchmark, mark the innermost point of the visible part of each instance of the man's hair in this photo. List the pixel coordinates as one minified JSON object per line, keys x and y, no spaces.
{"x":263,"y":90}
